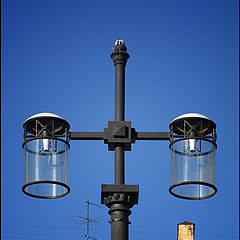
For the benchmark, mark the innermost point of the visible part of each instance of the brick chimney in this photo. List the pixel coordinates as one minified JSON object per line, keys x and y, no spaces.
{"x":185,"y":231}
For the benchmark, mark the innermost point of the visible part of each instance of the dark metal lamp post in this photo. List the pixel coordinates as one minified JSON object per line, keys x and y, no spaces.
{"x":192,"y":144}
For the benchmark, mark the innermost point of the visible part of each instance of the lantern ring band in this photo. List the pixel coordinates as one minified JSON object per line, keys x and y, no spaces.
{"x":192,"y":154}
{"x":193,"y":182}
{"x":46,"y":181}
{"x":36,"y":138}
{"x":198,"y":138}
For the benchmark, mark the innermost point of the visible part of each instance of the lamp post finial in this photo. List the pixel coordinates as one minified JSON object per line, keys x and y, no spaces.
{"x":119,"y":45}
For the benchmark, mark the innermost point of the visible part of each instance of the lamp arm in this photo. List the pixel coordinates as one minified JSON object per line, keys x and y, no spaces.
{"x":86,"y":136}
{"x":152,"y":136}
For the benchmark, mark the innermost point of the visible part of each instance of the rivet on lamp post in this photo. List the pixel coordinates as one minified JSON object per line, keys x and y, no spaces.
{"x":192,"y":143}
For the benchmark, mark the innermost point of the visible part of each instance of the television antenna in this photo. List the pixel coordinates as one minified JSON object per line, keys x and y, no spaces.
{"x":88,"y":220}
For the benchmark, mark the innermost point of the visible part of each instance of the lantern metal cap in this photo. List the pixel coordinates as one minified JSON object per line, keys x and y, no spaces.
{"x":60,"y":124}
{"x":177,"y":124}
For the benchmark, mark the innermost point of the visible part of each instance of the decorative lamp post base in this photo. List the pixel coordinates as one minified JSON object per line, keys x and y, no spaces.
{"x":119,"y":198}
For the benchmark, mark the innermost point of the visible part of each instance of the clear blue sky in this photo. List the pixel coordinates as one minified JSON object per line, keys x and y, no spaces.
{"x":56,"y":58}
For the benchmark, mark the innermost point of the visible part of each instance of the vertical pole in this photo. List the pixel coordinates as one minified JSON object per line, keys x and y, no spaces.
{"x":119,"y":177}
{"x":119,"y":116}
{"x":87,"y":219}
{"x":120,"y":91}
{"x":119,"y":57}
{"x":119,"y":212}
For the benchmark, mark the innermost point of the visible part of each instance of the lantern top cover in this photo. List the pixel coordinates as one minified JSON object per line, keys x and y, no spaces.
{"x":44,"y":115}
{"x":60,"y":123}
{"x":177,"y":124}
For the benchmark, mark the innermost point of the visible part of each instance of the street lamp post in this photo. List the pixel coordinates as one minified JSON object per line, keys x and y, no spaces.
{"x":192,"y":144}
{"x":119,"y":203}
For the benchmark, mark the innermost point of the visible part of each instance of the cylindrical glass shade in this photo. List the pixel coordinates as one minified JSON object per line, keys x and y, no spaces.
{"x":46,"y":168}
{"x":193,"y":168}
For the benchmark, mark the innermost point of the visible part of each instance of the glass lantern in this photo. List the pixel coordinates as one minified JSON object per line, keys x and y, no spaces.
{"x":46,"y":151}
{"x":192,"y":146}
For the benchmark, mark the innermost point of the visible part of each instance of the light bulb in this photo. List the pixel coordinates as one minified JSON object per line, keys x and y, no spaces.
{"x":45,"y":144}
{"x":192,"y":143}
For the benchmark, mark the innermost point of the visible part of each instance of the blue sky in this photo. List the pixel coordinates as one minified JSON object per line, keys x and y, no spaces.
{"x":56,"y":58}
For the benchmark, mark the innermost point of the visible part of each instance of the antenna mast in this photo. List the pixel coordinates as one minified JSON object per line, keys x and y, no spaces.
{"x":88,"y":219}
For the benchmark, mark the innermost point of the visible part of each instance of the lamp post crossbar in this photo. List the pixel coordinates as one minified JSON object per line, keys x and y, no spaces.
{"x":152,"y":136}
{"x":86,"y":136}
{"x":135,"y":136}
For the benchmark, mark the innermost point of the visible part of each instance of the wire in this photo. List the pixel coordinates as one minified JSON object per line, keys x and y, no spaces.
{"x":27,"y":225}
